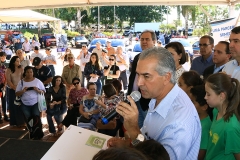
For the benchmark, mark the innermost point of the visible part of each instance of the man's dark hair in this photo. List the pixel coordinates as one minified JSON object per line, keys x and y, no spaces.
{"x":153,"y":150}
{"x":236,"y":30}
{"x":211,"y":40}
{"x":120,"y":153}
{"x":109,"y":90}
{"x":90,"y":84}
{"x":227,"y":50}
{"x":153,"y":35}
{"x":76,"y":79}
{"x":3,"y":54}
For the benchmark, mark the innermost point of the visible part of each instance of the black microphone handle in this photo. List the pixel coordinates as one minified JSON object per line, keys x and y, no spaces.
{"x":109,"y":116}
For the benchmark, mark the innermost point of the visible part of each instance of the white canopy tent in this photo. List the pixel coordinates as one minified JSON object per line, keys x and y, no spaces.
{"x":24,"y":16}
{"x":29,"y":4}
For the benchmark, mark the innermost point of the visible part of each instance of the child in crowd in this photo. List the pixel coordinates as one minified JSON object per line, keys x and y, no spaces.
{"x":197,"y":96}
{"x":188,"y":80}
{"x":50,"y":60}
{"x":222,"y":94}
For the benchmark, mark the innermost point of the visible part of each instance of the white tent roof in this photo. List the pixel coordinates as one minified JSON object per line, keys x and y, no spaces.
{"x":30,"y":4}
{"x":23,"y":16}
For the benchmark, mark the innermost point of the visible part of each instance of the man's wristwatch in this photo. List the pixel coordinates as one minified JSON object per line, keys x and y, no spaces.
{"x":140,"y":138}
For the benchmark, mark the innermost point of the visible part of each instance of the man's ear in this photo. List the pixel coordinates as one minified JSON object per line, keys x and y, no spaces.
{"x":167,"y":78}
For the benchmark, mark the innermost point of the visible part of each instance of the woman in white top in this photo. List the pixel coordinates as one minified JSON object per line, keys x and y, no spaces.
{"x":29,"y":88}
{"x":179,"y":55}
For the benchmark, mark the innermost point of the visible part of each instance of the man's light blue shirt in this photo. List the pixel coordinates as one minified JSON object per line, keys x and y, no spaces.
{"x":199,"y":64}
{"x":175,"y":124}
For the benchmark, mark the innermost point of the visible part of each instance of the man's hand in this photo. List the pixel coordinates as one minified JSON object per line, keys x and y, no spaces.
{"x":130,"y":115}
{"x":117,"y":142}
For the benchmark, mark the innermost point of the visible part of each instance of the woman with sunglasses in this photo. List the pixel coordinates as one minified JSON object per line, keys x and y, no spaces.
{"x":75,"y":97}
{"x":111,"y":71}
{"x":93,"y":70}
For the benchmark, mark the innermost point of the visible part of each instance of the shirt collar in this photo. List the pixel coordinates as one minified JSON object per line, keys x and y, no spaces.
{"x":165,"y":105}
{"x":209,"y":59}
{"x":235,"y":62}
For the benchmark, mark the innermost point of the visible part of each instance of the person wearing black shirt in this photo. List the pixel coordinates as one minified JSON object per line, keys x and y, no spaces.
{"x":93,"y":72}
{"x":111,"y":71}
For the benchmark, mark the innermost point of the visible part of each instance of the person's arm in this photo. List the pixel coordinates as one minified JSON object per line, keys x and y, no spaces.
{"x":122,"y":60}
{"x":201,"y":154}
{"x":106,"y":71}
{"x":53,"y":61}
{"x":237,"y":156}
{"x":63,"y":76}
{"x":48,"y":80}
{"x":8,"y":77}
{"x":105,"y":59}
{"x":79,"y":56}
{"x":62,"y":57}
{"x":80,"y":72}
{"x":85,"y":72}
{"x":115,"y":75}
{"x":63,"y":96}
{"x":20,"y":90}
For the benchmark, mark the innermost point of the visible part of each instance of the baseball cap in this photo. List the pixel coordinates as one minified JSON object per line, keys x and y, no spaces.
{"x":104,"y":50}
{"x":48,"y":48}
{"x":36,"y":61}
{"x":98,"y":42}
{"x":36,"y":48}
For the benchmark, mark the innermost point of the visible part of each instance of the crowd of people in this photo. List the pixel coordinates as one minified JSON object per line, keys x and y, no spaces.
{"x":181,"y":114}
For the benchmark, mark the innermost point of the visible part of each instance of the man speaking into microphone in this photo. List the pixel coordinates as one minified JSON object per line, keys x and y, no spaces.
{"x":172,"y":119}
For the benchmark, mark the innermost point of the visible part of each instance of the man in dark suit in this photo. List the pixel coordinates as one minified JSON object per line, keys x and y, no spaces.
{"x":221,"y":56}
{"x":147,"y":40}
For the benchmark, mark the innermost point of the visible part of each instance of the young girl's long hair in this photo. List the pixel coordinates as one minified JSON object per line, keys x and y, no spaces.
{"x":221,"y":82}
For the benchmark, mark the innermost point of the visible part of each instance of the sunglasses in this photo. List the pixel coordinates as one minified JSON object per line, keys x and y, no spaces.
{"x":70,"y":57}
{"x":75,"y":83}
{"x":111,"y":59}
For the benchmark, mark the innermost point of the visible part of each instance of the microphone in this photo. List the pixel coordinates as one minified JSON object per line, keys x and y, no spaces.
{"x":135,"y":95}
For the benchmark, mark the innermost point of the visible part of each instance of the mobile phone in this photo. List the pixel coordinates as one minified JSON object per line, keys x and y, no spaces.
{"x":30,"y":88}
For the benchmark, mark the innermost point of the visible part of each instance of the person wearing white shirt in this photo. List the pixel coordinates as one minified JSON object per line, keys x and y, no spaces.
{"x":50,"y":60}
{"x":123,"y":64}
{"x":35,"y":43}
{"x":26,"y":46}
{"x":36,"y":53}
{"x":84,"y":58}
{"x":8,"y":51}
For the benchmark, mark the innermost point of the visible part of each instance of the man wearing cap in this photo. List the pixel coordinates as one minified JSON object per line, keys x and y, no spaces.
{"x":41,"y":72}
{"x":50,"y":60}
{"x":123,"y":64}
{"x":109,"y":48}
{"x":69,"y":72}
{"x":84,"y":58}
{"x":36,"y":53}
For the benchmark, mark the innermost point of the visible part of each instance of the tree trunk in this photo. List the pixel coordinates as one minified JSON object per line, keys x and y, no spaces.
{"x":78,"y":26}
{"x":186,"y":23}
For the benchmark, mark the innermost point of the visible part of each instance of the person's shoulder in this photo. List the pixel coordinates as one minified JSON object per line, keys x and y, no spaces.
{"x":233,"y":124}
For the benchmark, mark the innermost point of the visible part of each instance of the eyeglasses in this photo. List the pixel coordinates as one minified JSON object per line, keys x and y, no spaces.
{"x":75,"y":83}
{"x":204,"y":45}
{"x":111,"y":59}
{"x":70,"y":57}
